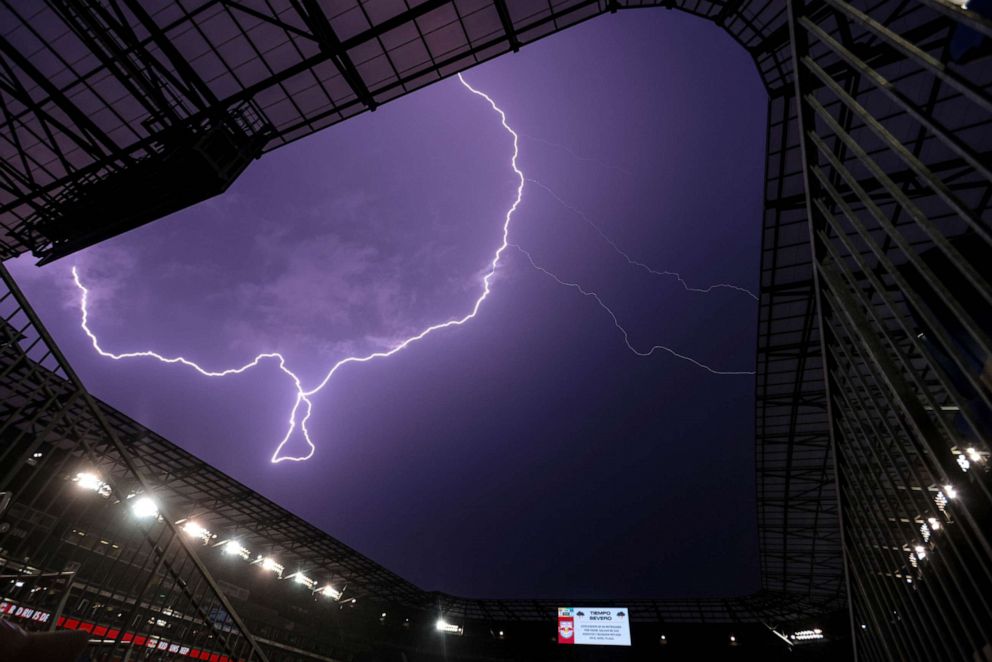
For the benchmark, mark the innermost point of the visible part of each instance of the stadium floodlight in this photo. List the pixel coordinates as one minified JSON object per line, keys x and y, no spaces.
{"x":330,"y":592}
{"x":973,"y":455}
{"x":270,"y":564}
{"x":91,"y":481}
{"x":194,"y":530}
{"x":144,"y":507}
{"x":814,"y":634}
{"x":950,"y":492}
{"x":921,"y":552}
{"x":300,"y":578}
{"x":934,"y":523}
{"x":963,"y":463}
{"x":448,"y":628}
{"x":234,"y":548}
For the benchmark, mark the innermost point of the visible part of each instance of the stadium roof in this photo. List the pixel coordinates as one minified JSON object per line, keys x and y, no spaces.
{"x":109,"y":110}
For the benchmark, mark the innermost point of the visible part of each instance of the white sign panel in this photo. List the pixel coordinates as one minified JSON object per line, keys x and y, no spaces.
{"x":602,"y":626}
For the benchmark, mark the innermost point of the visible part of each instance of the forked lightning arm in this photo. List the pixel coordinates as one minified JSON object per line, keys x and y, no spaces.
{"x":616,"y":322}
{"x":626,"y":256}
{"x":303,"y":396}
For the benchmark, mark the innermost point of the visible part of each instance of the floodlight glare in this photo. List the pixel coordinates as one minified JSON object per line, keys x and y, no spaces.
{"x":300,"y":578}
{"x":144,"y":507}
{"x":950,"y":492}
{"x":330,"y":592}
{"x":270,"y":564}
{"x":234,"y":548}
{"x":444,"y":626}
{"x":91,"y":481}
{"x":194,"y":530}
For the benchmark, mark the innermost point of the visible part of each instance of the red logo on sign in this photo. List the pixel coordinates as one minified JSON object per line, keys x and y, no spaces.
{"x":566,"y":630}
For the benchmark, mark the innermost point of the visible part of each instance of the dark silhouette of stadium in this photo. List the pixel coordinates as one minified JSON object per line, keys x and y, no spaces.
{"x":874,"y":356}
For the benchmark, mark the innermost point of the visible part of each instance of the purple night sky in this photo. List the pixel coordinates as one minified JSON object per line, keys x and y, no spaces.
{"x":527,"y":453}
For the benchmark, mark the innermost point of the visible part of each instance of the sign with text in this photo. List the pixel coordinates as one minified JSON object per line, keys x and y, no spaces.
{"x":602,"y":626}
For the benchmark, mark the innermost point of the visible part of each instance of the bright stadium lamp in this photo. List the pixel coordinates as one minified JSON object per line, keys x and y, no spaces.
{"x":442,"y":625}
{"x":234,"y":548}
{"x":270,"y":564}
{"x":91,"y":481}
{"x":144,"y":507}
{"x":300,"y":578}
{"x":330,"y":592}
{"x":194,"y":530}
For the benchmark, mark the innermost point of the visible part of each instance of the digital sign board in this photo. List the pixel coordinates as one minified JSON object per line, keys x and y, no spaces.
{"x":599,"y":626}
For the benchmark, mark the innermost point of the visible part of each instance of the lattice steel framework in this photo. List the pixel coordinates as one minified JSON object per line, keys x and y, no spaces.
{"x":896,"y":133}
{"x":874,"y":314}
{"x":63,"y":554}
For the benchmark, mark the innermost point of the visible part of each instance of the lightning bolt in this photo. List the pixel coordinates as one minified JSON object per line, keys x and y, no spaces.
{"x":616,"y":321}
{"x":298,"y":418}
{"x":626,"y":256}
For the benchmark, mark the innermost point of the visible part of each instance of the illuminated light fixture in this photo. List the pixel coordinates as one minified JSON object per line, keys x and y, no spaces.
{"x":270,"y":564}
{"x":194,"y":530}
{"x":921,"y":552}
{"x":330,"y":592}
{"x":925,"y":532}
{"x":808,"y":635}
{"x":950,"y":492}
{"x":37,"y":455}
{"x":973,"y":455}
{"x":234,"y":548}
{"x":144,"y":507}
{"x":90,"y":481}
{"x":963,"y":462}
{"x":934,"y":523}
{"x":300,"y":578}
{"x":448,"y":628}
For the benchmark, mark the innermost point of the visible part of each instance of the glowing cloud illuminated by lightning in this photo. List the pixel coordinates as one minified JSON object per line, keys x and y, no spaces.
{"x":303,"y":405}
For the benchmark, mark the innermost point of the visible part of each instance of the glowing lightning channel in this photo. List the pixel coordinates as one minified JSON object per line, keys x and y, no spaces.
{"x":302,"y":395}
{"x":626,"y":256}
{"x":616,"y":321}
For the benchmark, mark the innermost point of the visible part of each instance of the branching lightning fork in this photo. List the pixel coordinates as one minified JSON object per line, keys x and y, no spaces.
{"x":626,"y":256}
{"x":303,"y":395}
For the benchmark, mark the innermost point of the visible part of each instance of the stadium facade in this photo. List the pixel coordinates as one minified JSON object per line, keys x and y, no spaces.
{"x":874,"y":358}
